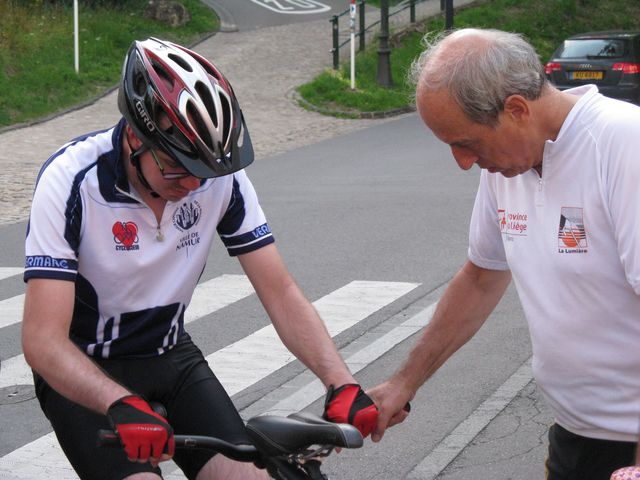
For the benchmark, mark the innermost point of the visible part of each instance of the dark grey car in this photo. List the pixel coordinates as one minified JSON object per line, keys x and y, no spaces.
{"x":610,"y":60}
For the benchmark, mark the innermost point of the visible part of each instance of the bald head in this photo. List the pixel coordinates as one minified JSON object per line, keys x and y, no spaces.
{"x":479,"y":69}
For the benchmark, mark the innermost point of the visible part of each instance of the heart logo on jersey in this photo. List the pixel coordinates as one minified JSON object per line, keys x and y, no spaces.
{"x":125,"y":233}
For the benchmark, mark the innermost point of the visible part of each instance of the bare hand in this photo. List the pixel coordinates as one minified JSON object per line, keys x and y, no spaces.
{"x":391,"y":402}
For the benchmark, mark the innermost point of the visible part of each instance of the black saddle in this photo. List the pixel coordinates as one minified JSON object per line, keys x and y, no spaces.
{"x":284,"y":435}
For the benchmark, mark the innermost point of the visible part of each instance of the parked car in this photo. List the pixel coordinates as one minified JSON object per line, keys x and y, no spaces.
{"x":611,"y":60}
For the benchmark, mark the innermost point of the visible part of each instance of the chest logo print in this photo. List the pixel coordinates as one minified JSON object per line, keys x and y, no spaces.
{"x":572,"y":236}
{"x":512,"y":224}
{"x":125,"y":235}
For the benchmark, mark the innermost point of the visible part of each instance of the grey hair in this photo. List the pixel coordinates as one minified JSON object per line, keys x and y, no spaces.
{"x":482,"y":75}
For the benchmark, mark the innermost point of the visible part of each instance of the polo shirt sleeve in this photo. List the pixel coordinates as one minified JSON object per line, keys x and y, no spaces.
{"x":243,"y":228}
{"x":620,"y":171}
{"x":485,"y":240}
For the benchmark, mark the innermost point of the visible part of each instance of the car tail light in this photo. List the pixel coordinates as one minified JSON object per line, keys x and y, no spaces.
{"x":551,"y":67}
{"x":627,"y":68}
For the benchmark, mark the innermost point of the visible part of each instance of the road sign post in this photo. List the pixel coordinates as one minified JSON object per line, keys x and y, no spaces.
{"x":352,"y":25}
{"x":76,"y":42}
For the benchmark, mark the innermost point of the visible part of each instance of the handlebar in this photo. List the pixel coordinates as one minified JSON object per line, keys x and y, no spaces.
{"x":241,"y":453}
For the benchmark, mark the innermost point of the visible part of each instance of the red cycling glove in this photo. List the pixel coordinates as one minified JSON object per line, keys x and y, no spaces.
{"x":142,"y":432}
{"x":349,"y":404}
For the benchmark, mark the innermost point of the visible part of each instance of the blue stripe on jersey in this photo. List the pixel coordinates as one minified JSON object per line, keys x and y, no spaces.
{"x":234,"y":216}
{"x":73,"y":212}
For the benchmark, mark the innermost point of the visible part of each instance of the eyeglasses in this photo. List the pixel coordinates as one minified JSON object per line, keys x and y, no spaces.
{"x":165,"y":175}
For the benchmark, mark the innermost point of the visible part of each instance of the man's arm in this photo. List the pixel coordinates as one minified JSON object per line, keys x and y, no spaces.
{"x":145,"y":435}
{"x":49,"y":351}
{"x":467,"y":302}
{"x":294,"y":318}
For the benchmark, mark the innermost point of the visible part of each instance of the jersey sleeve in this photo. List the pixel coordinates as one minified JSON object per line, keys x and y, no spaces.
{"x":51,"y":232}
{"x":485,"y":240}
{"x":243,"y":228}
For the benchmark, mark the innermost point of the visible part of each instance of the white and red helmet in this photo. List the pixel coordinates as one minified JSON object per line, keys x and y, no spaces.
{"x":206,"y":134}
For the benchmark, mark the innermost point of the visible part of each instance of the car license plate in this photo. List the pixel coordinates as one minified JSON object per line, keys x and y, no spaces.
{"x":586,"y":75}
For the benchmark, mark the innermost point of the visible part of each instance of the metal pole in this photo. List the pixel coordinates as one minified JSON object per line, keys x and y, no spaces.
{"x":448,"y":23}
{"x":384,"y":52}
{"x":362,"y":29}
{"x":336,"y":49}
{"x":76,"y":42}
{"x":412,"y":11}
{"x":352,"y":28}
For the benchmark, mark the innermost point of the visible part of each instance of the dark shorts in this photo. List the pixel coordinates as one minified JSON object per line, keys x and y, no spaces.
{"x":573,"y":457}
{"x":180,"y":379}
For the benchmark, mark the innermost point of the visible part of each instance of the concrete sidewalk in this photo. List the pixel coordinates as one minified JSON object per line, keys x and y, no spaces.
{"x":264,"y":66}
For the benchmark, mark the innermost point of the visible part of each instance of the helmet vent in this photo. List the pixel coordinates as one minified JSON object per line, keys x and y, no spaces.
{"x":200,"y":125}
{"x":226,"y":113}
{"x":207,"y":99}
{"x":181,"y":61}
{"x":164,"y":75}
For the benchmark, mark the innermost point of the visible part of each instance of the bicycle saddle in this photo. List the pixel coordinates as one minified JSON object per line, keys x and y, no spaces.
{"x":283,"y":435}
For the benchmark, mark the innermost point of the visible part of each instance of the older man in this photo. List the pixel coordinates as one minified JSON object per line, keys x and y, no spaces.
{"x":556,"y":210}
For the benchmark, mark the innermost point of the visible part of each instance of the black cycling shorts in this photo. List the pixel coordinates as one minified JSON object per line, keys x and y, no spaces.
{"x":180,"y":379}
{"x":574,"y":457}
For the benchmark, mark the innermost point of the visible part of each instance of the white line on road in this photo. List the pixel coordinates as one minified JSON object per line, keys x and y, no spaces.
{"x":264,"y":351}
{"x":6,"y":272}
{"x":311,"y":392}
{"x":449,"y":448}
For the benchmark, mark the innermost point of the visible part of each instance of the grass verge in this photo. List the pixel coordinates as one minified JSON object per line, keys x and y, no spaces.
{"x":37,"y":73}
{"x":545,"y":23}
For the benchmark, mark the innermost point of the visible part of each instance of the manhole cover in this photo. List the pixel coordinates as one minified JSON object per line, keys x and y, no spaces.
{"x":16,"y":394}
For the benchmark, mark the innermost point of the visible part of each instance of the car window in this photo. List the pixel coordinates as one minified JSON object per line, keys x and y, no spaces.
{"x":593,"y":48}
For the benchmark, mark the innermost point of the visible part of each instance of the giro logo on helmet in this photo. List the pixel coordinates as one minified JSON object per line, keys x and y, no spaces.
{"x":145,"y":116}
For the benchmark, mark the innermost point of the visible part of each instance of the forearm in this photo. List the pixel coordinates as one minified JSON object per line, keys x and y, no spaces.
{"x":470,"y":298}
{"x":305,"y":335}
{"x":49,"y":351}
{"x":74,"y":375}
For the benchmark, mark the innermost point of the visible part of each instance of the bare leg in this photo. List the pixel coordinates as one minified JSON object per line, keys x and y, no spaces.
{"x":143,"y":476}
{"x":223,"y":468}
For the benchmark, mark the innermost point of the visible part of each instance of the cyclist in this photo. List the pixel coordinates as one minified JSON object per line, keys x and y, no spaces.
{"x":557,"y":208}
{"x":120,"y":229}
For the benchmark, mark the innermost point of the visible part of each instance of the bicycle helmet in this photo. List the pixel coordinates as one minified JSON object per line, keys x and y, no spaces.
{"x":206,"y":134}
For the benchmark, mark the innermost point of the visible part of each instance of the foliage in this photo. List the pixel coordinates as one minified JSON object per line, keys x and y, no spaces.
{"x":37,"y":72}
{"x":545,"y":23}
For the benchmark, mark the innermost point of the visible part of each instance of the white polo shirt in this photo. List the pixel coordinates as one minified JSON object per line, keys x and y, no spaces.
{"x":134,"y":277}
{"x":571,"y":239}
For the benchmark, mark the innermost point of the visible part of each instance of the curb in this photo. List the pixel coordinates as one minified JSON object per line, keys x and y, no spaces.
{"x":297,"y":100}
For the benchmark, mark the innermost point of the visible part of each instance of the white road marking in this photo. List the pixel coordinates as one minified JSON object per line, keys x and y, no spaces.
{"x":293,"y":6}
{"x":314,"y":390}
{"x":11,"y":310}
{"x":449,"y":448}
{"x":262,"y":353}
{"x":6,"y":272}
{"x":340,"y":310}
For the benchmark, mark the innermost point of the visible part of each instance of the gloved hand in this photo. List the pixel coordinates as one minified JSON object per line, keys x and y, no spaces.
{"x":143,"y":433}
{"x":349,"y":404}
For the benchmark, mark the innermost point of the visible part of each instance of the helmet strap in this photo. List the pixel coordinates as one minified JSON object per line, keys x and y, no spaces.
{"x":134,"y":158}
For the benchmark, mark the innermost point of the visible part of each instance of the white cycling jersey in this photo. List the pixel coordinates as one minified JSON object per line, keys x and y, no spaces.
{"x":134,"y":277}
{"x":571,"y":239}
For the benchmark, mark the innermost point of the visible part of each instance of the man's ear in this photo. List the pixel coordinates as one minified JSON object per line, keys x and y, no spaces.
{"x":517,"y":107}
{"x":131,"y":137}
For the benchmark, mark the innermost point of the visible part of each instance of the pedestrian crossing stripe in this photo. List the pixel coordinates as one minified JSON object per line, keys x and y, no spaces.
{"x":340,"y":310}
